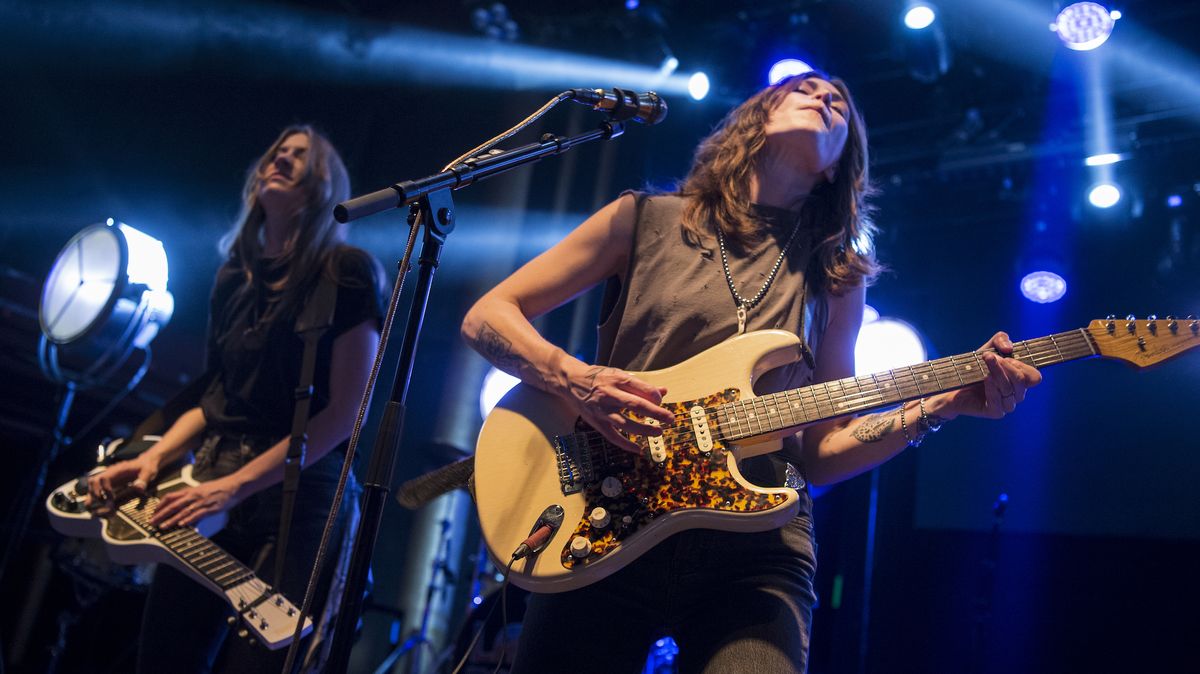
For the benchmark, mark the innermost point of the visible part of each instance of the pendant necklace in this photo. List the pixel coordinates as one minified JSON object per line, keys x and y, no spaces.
{"x":745,"y":305}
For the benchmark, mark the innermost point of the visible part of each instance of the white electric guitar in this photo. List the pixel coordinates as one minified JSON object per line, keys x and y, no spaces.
{"x":596,"y":508}
{"x":130,"y":539}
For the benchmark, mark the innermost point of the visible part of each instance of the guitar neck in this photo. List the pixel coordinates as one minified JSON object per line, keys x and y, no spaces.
{"x":794,"y":408}
{"x":200,"y":554}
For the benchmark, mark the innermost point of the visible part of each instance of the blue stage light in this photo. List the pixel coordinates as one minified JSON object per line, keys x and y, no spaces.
{"x":1174,"y":201}
{"x":785,"y":68}
{"x":1084,"y":25}
{"x":1104,"y":195}
{"x":919,"y":16}
{"x":1043,"y":287}
{"x":698,"y":86}
{"x":495,"y":384}
{"x":886,"y":344}
{"x":1104,"y":159}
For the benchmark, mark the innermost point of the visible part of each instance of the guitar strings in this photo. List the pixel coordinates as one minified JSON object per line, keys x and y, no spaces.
{"x":1037,"y":352}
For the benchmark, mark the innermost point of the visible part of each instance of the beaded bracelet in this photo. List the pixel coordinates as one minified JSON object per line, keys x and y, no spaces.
{"x":904,"y":429}
{"x":926,"y":425}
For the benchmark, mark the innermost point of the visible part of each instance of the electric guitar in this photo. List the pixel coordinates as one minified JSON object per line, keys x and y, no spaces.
{"x":130,"y":539}
{"x":586,"y":508}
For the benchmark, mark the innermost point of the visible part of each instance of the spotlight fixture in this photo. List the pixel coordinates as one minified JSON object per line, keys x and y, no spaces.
{"x":1174,"y":201}
{"x":1104,"y":195}
{"x":1084,"y":25}
{"x":786,"y":68}
{"x":919,"y":16}
{"x":105,"y":296}
{"x":698,"y":86}
{"x":1043,"y":287}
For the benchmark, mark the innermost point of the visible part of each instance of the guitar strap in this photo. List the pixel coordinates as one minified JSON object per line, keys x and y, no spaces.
{"x":311,"y":325}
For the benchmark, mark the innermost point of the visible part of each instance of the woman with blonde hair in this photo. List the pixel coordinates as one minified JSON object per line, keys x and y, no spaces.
{"x":285,"y":244}
{"x":769,"y":230}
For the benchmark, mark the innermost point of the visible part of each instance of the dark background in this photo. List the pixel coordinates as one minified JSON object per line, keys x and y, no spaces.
{"x":152,"y":112}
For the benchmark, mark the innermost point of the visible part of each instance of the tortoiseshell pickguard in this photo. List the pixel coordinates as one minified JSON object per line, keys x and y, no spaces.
{"x":687,"y":479}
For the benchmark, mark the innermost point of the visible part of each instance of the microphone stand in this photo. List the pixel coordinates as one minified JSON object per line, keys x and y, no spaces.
{"x":431,"y":197}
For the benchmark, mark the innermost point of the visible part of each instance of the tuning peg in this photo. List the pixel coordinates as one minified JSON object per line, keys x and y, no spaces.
{"x":1110,"y":323}
{"x":1152,"y":323}
{"x":1172,"y":324}
{"x":1193,"y":325}
{"x":1131,"y":323}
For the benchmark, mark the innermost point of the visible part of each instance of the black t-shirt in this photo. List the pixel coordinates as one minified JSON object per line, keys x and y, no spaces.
{"x":257,"y":363}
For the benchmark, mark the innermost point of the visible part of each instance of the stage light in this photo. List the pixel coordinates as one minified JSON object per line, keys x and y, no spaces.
{"x":632,"y":4}
{"x":1043,"y":287}
{"x":105,"y":296}
{"x":1104,"y":159}
{"x":785,"y":68}
{"x":1104,"y":195}
{"x":1084,"y":25}
{"x":495,"y":384}
{"x":919,"y":16}
{"x":668,"y":66}
{"x":1174,"y":201}
{"x":698,"y":86}
{"x":886,"y":344}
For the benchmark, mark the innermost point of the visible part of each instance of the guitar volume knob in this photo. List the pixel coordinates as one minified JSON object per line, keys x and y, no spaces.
{"x":580,"y":547}
{"x":611,"y":487}
{"x":599,"y":518}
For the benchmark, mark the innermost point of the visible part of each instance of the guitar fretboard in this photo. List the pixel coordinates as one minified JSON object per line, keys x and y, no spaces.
{"x":198,"y":552}
{"x":829,"y":400}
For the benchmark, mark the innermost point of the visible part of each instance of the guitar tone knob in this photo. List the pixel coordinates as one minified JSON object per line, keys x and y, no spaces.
{"x":599,"y":518}
{"x":611,"y":487}
{"x":580,"y":547}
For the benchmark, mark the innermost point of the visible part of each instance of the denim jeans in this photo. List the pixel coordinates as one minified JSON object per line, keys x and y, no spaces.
{"x":733,"y":602}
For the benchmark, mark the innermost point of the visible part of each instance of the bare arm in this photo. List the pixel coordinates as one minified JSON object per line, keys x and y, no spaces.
{"x":498,"y":325}
{"x":142,"y":470}
{"x":840,"y":449}
{"x":353,"y":354}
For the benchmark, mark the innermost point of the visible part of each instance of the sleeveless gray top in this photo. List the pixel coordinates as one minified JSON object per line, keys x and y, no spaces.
{"x":674,"y":301}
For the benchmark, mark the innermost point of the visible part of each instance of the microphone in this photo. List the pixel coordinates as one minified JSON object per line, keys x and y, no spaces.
{"x":623,"y":104}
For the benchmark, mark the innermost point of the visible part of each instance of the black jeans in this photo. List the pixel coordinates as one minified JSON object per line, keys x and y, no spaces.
{"x":184,"y":626}
{"x":733,"y":602}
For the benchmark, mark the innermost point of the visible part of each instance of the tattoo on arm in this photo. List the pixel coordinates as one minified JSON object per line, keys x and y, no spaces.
{"x":874,"y":427}
{"x":498,"y":349}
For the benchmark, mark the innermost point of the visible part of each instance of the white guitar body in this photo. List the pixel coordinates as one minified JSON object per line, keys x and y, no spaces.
{"x":129,"y":539}
{"x":536,"y":471}
{"x":517,"y":474}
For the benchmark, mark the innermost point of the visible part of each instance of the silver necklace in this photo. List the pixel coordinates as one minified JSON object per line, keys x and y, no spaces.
{"x":745,"y":305}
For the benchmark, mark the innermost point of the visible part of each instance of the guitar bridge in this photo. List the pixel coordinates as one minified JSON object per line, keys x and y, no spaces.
{"x":575,"y":466}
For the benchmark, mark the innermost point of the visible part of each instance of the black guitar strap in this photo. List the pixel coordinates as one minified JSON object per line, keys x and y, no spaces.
{"x":311,"y":325}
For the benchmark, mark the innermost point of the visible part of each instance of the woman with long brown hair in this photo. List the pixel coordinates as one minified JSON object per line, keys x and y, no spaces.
{"x":769,"y":230}
{"x":284,"y":244}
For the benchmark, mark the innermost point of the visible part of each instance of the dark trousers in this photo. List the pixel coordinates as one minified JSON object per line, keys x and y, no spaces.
{"x":733,"y":602}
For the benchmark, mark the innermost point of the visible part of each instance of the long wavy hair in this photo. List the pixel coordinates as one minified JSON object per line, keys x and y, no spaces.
{"x":315,"y":239}
{"x":717,"y":191}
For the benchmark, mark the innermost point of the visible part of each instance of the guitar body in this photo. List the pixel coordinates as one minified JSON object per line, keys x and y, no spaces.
{"x":126,"y":543}
{"x":129,"y":539}
{"x":519,"y":472}
{"x":540,"y":472}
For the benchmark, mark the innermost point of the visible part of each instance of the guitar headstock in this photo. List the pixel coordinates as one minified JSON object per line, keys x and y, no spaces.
{"x":271,"y":621}
{"x":1144,"y":342}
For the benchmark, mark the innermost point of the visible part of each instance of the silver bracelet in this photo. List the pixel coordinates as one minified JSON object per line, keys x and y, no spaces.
{"x":924,"y":422}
